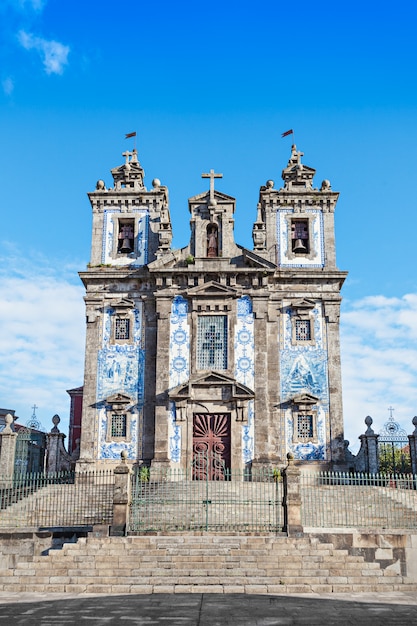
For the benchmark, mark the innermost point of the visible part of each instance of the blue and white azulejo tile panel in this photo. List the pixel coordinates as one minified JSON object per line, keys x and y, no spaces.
{"x":179,"y":367}
{"x":304,"y":369}
{"x":174,"y":436}
{"x":248,"y":435}
{"x":245,"y":367}
{"x":308,"y":451}
{"x":120,"y":369}
{"x":179,"y":343}
{"x":244,"y":343}
{"x":140,"y":256}
{"x":283,"y":237}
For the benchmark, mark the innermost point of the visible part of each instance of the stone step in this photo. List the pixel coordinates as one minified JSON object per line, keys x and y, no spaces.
{"x":159,"y":564}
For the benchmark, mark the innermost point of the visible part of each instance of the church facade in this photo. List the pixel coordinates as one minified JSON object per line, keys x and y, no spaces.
{"x":212,"y":348}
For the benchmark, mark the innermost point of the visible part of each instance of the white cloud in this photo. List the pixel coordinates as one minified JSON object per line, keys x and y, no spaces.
{"x":23,"y":5}
{"x":8,"y":86}
{"x":41,"y":339}
{"x":379,"y":362}
{"x":54,"y":55}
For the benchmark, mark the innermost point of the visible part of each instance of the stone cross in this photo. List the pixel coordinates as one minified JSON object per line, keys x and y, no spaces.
{"x":127,"y":154}
{"x":212,"y":176}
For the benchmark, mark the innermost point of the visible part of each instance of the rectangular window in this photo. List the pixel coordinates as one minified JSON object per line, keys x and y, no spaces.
{"x":118,"y":425}
{"x":305,"y":426}
{"x":122,"y":328}
{"x":302,"y":330}
{"x":212,"y":342}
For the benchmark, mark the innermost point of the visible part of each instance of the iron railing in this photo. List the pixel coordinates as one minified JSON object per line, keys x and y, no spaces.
{"x":175,"y":500}
{"x":333,"y":499}
{"x":186,"y":500}
{"x":57,"y":499}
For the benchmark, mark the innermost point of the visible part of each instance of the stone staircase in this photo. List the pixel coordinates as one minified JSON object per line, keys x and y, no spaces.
{"x":59,"y":504}
{"x":189,"y":563}
{"x":357,"y":506}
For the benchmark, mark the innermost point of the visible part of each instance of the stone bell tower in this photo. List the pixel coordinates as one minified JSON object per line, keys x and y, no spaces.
{"x":131,"y":228}
{"x":295,"y":231}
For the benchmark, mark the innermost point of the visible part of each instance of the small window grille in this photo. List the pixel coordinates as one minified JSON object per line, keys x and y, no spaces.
{"x":122,"y":328}
{"x":118,"y":425}
{"x":212,"y":342}
{"x":302,"y":330}
{"x":305,"y":426}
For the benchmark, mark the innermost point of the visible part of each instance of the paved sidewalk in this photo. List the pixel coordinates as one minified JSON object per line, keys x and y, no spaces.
{"x":24,"y":609}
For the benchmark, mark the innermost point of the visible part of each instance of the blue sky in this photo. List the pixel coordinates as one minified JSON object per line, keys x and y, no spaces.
{"x":206,"y":86}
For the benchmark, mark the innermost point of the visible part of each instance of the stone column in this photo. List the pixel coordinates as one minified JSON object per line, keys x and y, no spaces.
{"x":162,"y":383}
{"x":369,"y":445}
{"x":265,"y":453}
{"x":89,"y":431}
{"x":7,"y":451}
{"x":58,"y":459}
{"x":337,"y":447}
{"x":291,"y":501}
{"x":413,"y":447}
{"x":121,"y":497}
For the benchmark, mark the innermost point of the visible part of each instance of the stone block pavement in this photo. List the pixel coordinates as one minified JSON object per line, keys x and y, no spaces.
{"x":47,"y":609}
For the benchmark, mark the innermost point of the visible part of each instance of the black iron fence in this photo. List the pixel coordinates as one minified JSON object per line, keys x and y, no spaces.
{"x":334,"y":499}
{"x":61,"y":499}
{"x":243,"y":501}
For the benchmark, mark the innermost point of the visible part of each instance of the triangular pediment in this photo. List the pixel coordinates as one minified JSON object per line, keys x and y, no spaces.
{"x":203,"y":198}
{"x":119,"y":398}
{"x":168,"y":260}
{"x":208,"y":380}
{"x":305,"y":398}
{"x":123,"y":303}
{"x":254,"y":260}
{"x":211,"y":288}
{"x":303,"y":305}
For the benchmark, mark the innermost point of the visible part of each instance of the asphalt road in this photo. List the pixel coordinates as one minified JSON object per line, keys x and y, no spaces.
{"x":26,"y":609}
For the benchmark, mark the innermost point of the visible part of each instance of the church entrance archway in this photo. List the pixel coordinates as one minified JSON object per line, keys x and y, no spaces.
{"x":211,"y":446}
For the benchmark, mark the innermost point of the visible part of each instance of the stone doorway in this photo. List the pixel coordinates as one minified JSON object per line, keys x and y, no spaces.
{"x":211,"y":446}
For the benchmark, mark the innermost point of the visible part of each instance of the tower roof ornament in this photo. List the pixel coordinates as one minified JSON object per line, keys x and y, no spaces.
{"x":131,"y":173}
{"x":212,"y":176}
{"x":297,"y":177}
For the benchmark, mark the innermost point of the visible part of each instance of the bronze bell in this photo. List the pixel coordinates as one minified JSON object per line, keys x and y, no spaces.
{"x":126,"y":247}
{"x":299,"y":246}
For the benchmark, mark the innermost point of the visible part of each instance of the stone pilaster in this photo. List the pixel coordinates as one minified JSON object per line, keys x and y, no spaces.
{"x":163,"y":311}
{"x":413,"y":447}
{"x":336,"y":431}
{"x":89,"y":433}
{"x":7,"y":451}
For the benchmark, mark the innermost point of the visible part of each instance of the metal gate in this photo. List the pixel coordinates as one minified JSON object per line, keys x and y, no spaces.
{"x":393,"y":449}
{"x":30,"y":451}
{"x":173,"y":500}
